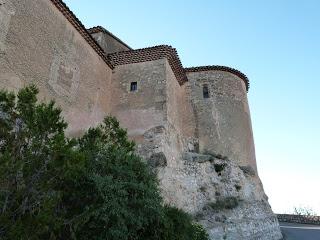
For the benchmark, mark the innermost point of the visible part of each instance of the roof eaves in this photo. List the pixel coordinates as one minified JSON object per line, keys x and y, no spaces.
{"x":151,"y":54}
{"x":70,"y":16}
{"x":98,"y":29}
{"x":221,"y":68}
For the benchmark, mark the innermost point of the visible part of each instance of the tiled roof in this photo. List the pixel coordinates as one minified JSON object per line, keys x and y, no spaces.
{"x":81,"y":29}
{"x":98,"y":29}
{"x":221,"y":68}
{"x":151,"y":54}
{"x":139,"y":55}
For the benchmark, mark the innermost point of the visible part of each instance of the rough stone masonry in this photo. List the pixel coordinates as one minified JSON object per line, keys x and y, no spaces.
{"x":192,"y":125}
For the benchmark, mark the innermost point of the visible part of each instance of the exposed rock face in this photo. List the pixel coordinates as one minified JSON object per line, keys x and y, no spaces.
{"x":226,"y":198}
{"x":238,"y":209}
{"x":230,"y":203}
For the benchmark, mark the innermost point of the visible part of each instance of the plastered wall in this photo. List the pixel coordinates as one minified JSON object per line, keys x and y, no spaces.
{"x":159,"y":99}
{"x":145,"y":108}
{"x":223,"y":119}
{"x":180,"y":112}
{"x":108,"y":43}
{"x":45,"y":49}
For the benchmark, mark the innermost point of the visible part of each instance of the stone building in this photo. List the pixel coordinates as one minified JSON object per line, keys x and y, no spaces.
{"x":192,"y":125}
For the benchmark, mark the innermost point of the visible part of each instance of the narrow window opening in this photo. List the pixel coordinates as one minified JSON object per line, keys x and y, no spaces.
{"x":205,"y":90}
{"x":133,"y":86}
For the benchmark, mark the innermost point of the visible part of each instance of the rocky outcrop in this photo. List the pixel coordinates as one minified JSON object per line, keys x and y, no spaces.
{"x":227,"y":199}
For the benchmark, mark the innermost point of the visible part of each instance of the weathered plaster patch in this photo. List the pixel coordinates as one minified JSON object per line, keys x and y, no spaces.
{"x":96,"y":113}
{"x":64,"y":76}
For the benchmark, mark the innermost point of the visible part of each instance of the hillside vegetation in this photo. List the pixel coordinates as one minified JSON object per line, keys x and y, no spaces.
{"x":94,"y":187}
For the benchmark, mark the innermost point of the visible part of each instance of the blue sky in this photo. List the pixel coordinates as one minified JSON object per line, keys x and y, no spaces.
{"x":275,"y":43}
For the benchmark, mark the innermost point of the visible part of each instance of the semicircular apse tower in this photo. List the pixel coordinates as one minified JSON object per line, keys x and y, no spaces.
{"x":219,"y":98}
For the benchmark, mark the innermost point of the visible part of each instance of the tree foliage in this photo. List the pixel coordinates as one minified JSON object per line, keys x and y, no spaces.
{"x":304,"y":211}
{"x":94,"y":187}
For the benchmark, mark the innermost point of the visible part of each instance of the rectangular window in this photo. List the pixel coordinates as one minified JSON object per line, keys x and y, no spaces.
{"x":205,"y":91}
{"x":133,"y":86}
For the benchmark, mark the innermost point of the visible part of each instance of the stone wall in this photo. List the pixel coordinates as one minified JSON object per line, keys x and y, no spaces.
{"x":108,"y":41}
{"x":145,"y":108}
{"x":159,"y":102}
{"x":39,"y":45}
{"x":179,"y":106}
{"x":166,"y":139}
{"x":151,"y":54}
{"x":303,"y":219}
{"x":223,"y":119}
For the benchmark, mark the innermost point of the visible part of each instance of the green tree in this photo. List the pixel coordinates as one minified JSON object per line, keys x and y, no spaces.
{"x":178,"y":225}
{"x":122,"y":196}
{"x":94,"y":187}
{"x":32,"y":142}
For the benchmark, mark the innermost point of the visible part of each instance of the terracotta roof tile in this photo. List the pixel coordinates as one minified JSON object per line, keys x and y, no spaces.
{"x":80,"y":28}
{"x":139,"y":55}
{"x":151,"y":54}
{"x":221,"y":68}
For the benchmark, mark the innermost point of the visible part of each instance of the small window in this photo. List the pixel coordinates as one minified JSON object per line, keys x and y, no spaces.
{"x":205,"y":90}
{"x":133,"y":86}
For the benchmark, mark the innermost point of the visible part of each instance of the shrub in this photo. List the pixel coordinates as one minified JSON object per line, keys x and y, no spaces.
{"x":199,"y":233}
{"x":304,"y":211}
{"x":33,"y":151}
{"x":94,"y":187}
{"x":125,"y":201}
{"x":179,"y":226}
